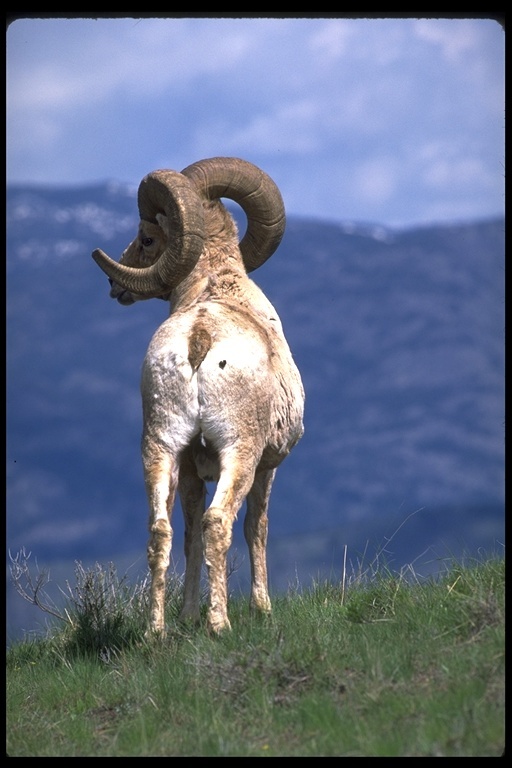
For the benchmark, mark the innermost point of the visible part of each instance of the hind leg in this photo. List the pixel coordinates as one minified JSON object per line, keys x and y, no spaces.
{"x":236,"y":479}
{"x":161,"y":475}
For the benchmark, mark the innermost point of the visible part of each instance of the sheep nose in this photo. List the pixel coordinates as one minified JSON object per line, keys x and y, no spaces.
{"x":114,"y":289}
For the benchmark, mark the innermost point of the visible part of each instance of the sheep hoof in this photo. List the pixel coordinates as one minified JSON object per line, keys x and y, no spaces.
{"x":155,"y":634}
{"x":189,"y":619}
{"x":218,"y":626}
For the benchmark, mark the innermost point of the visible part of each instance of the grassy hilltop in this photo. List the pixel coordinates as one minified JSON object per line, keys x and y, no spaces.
{"x":377,"y":666}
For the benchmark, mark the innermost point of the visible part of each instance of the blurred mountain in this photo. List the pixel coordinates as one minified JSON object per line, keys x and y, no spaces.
{"x":399,"y":336}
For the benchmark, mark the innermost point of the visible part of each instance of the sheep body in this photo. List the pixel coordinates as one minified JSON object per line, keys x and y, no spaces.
{"x":183,"y":397}
{"x":222,"y":401}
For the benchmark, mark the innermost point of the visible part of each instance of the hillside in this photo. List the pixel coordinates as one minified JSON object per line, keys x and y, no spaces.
{"x":381,"y":668}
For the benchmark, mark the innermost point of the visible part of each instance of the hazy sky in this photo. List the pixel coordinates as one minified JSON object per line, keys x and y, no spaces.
{"x":394,"y":121}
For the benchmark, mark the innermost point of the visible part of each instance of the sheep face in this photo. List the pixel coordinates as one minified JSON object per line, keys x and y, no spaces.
{"x":143,"y":251}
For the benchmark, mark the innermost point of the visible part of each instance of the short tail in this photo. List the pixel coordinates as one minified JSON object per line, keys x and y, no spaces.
{"x":199,"y":344}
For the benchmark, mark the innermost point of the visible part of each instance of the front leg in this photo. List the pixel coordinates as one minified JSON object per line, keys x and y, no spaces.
{"x":255,"y":530}
{"x":192,"y":492}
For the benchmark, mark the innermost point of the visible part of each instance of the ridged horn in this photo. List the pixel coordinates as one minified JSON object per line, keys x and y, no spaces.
{"x":257,"y":195}
{"x":172,"y":194}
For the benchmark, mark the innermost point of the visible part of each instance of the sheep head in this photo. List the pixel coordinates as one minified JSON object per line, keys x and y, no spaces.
{"x":170,"y":197}
{"x":143,"y":251}
{"x":171,"y":208}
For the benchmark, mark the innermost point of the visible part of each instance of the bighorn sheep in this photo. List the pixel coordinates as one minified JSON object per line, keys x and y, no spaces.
{"x":222,"y":398}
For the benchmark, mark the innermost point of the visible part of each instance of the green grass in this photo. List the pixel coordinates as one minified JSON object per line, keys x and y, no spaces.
{"x":383,"y":667}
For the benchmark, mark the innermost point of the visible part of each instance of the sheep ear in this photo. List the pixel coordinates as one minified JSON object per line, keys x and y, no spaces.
{"x":163,"y":222}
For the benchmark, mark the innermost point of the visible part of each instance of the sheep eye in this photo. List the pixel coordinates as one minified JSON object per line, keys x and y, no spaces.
{"x":147,"y":241}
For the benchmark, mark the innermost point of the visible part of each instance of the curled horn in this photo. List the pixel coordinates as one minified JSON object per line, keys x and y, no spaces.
{"x":172,"y":194}
{"x":257,"y":195}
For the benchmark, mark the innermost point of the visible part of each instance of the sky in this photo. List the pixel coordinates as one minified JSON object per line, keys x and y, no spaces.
{"x":395,"y":121}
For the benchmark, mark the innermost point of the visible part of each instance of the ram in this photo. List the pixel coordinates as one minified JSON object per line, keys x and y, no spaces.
{"x":222,"y":397}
